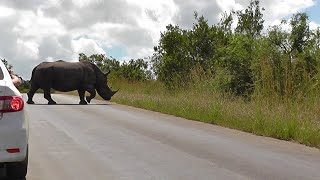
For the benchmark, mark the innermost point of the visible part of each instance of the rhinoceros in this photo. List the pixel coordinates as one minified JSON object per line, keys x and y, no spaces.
{"x":69,"y":76}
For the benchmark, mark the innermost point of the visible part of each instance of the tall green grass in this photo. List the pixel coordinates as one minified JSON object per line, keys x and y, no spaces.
{"x":297,"y":121}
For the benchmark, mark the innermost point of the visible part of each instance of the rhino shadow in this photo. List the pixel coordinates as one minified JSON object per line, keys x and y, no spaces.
{"x":69,"y":104}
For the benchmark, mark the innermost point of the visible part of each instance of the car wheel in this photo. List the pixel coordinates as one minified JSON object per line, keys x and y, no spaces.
{"x":17,"y":170}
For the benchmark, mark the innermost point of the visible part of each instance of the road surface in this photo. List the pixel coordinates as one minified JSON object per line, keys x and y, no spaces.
{"x":103,"y":141}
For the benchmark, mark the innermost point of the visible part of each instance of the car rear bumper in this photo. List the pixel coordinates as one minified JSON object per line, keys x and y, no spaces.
{"x":13,"y":139}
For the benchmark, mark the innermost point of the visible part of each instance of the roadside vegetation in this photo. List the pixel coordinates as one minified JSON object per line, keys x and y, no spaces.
{"x":262,"y":80}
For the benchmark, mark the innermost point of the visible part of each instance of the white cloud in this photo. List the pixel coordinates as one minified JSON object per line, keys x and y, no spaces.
{"x":314,"y":25}
{"x":5,"y":11}
{"x":27,"y":49}
{"x":36,"y":25}
{"x":276,"y":10}
{"x":155,"y":15}
{"x":228,"y":5}
{"x":82,"y":3}
{"x":137,"y":52}
{"x":185,"y":11}
{"x":87,"y":46}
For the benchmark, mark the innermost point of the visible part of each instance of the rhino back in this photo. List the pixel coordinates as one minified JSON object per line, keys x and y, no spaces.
{"x":64,"y":76}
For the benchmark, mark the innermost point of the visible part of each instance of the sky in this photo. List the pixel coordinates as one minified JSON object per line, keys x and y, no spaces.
{"x":33,"y":31}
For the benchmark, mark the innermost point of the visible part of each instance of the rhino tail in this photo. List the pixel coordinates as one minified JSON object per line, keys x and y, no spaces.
{"x":32,"y":74}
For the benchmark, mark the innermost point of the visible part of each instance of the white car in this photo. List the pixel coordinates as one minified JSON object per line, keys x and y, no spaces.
{"x":14,"y":128}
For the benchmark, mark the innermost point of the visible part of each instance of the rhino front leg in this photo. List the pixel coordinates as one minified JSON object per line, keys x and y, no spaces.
{"x":92,"y":92}
{"x":81,"y":95}
{"x":47,"y":96}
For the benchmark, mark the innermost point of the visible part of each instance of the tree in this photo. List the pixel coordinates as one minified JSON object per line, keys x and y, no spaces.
{"x":172,"y":59}
{"x":244,"y":61}
{"x":250,"y":21}
{"x":298,"y":61}
{"x":236,"y":57}
{"x":102,"y":61}
{"x":300,"y":33}
{"x":134,"y":70}
{"x":226,"y":22}
{"x":202,"y":43}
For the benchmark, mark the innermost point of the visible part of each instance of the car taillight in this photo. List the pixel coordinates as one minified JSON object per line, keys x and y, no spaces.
{"x":11,"y":103}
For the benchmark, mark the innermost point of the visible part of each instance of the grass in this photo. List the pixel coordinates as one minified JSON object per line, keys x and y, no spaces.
{"x":286,"y":120}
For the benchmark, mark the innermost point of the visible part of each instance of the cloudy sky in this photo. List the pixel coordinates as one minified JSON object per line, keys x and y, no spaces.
{"x":33,"y":31}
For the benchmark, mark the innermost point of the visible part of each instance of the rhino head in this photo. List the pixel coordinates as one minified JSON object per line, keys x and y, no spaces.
{"x":102,"y":87}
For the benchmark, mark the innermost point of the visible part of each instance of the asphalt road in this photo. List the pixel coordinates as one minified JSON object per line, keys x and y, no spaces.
{"x":103,"y":141}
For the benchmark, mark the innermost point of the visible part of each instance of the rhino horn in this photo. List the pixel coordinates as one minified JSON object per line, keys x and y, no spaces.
{"x":114,"y":92}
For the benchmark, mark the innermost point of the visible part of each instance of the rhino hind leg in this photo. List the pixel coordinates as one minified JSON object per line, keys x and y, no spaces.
{"x":31,"y":93}
{"x":47,"y":96}
{"x":30,"y":101}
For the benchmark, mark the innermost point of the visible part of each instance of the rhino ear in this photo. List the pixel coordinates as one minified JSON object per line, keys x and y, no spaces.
{"x":106,"y":74}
